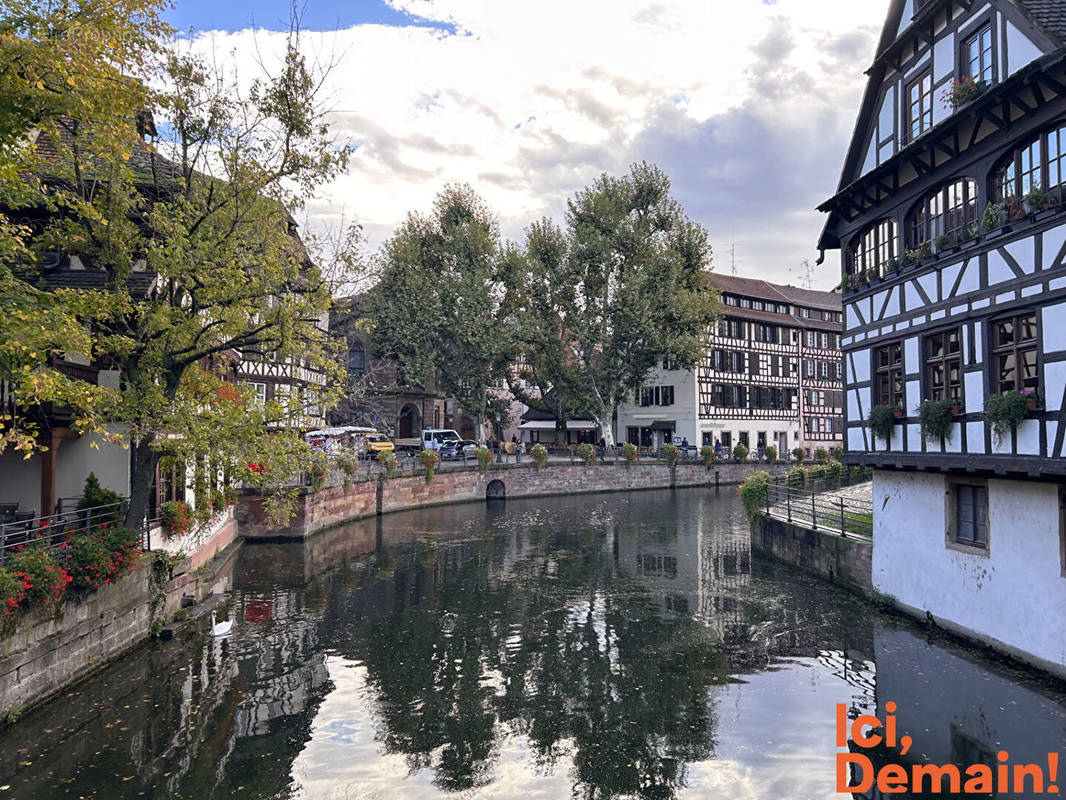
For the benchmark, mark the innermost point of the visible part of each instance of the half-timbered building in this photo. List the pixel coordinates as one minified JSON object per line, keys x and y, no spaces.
{"x":950,"y":222}
{"x":771,"y":376}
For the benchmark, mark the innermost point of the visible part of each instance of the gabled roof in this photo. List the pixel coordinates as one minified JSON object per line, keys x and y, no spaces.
{"x":1047,"y":15}
{"x":774,"y":292}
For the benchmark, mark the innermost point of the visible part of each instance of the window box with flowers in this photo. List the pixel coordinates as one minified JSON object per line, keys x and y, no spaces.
{"x":1005,"y":412}
{"x":176,"y":517}
{"x":962,"y":91}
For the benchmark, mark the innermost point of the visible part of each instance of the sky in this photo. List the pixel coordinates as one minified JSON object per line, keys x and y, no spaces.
{"x":748,"y":106}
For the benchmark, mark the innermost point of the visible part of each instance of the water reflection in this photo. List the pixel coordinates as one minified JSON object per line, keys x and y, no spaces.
{"x":618,"y":646}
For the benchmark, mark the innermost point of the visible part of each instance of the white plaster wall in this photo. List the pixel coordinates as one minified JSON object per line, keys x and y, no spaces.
{"x":20,"y":480}
{"x":77,"y":458}
{"x":1005,"y":594}
{"x":1054,"y":239}
{"x":684,"y":411}
{"x":1020,"y":50}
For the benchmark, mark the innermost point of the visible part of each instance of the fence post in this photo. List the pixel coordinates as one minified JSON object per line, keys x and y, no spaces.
{"x":788,"y":502}
{"x":814,"y":514}
{"x":843,"y":531}
{"x":717,"y":476}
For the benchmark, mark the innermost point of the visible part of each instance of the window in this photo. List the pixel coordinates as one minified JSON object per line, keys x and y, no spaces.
{"x":873,"y":249}
{"x":920,"y":105}
{"x":1014,"y":351}
{"x":260,"y":390}
{"x":978,"y":55}
{"x":888,"y":363}
{"x":840,"y":371}
{"x":731,"y":329}
{"x":969,"y":510}
{"x":356,"y":360}
{"x":949,"y":212}
{"x":943,"y":366}
{"x":668,"y":396}
{"x":1036,"y":165}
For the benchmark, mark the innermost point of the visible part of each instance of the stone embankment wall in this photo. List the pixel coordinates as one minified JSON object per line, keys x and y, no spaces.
{"x":316,"y":511}
{"x":844,"y":560}
{"x":49,"y":650}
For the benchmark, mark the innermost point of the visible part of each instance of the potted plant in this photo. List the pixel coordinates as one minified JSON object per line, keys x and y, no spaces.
{"x":845,"y":283}
{"x":1032,"y":399}
{"x":387,"y":459}
{"x":740,"y":454}
{"x":429,"y":459}
{"x":821,"y":454}
{"x":484,"y":458}
{"x":908,"y":258}
{"x":881,"y":420}
{"x":771,"y":454}
{"x":992,"y":219}
{"x":539,"y":454}
{"x":1036,"y":200}
{"x":1015,"y":209}
{"x":937,"y":419}
{"x":671,"y":453}
{"x":942,"y":243}
{"x":799,"y":454}
{"x":629,"y":453}
{"x":1005,"y":412}
{"x":707,"y":455}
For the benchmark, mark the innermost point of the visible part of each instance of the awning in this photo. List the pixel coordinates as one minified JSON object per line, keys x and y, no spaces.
{"x":549,"y":425}
{"x":663,"y":425}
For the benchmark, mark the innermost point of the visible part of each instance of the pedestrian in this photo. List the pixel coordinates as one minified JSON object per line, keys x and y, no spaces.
{"x":717,"y":449}
{"x":514,"y":438}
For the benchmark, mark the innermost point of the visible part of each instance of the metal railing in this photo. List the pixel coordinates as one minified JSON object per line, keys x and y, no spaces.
{"x":820,"y":511}
{"x":53,"y":531}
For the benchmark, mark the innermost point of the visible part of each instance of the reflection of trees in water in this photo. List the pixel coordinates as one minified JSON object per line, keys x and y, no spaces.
{"x":562,"y":652}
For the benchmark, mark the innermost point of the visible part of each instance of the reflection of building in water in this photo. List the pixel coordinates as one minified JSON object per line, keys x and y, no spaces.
{"x":285,"y":671}
{"x":694,"y":567}
{"x":959,"y":711}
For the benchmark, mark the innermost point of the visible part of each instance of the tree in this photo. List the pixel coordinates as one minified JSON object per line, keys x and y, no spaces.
{"x":191,"y":229}
{"x":437,"y":307}
{"x":621,"y":291}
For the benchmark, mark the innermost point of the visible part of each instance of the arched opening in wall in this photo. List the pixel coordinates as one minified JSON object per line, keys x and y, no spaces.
{"x":410,"y":422}
{"x":496,"y":490}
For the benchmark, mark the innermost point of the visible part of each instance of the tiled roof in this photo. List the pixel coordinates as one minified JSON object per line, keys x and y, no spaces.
{"x":140,"y":284}
{"x":1048,"y":15}
{"x":778,"y":293}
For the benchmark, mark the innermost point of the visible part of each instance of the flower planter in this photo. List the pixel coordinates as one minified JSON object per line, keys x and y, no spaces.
{"x":956,"y":410}
{"x":1032,"y":405}
{"x":898,"y":413}
{"x":1047,"y":213}
{"x":1002,"y":229}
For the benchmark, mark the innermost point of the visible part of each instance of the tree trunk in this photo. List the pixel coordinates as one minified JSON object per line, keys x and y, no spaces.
{"x":605,"y":420}
{"x":145,"y":460}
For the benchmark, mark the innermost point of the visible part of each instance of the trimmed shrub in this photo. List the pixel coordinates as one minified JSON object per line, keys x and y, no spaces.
{"x":539,"y":453}
{"x":740,"y":453}
{"x":753,"y":492}
{"x":821,"y":454}
{"x":799,"y":454}
{"x":484,"y":457}
{"x":771,"y":454}
{"x":707,"y":454}
{"x":838,"y":454}
{"x":671,"y":453}
{"x":629,"y":453}
{"x":586,"y":452}
{"x":94,"y":495}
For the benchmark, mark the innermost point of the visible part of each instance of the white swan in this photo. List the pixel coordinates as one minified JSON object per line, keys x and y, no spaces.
{"x":219,"y":629}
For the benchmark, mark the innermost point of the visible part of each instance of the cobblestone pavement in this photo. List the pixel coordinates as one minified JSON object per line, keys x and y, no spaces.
{"x":860,"y":492}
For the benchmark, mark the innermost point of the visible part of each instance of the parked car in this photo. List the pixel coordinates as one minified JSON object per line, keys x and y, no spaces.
{"x":455,"y":449}
{"x":378,"y":443}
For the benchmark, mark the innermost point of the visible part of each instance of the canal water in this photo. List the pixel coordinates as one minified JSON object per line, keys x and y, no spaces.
{"x":611,"y":646}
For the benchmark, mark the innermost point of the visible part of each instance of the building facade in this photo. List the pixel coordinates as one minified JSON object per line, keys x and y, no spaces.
{"x":377,"y":394}
{"x":772,"y":375}
{"x":952,"y":232}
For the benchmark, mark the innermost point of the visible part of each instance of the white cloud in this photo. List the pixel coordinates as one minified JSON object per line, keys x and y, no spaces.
{"x":747,"y":105}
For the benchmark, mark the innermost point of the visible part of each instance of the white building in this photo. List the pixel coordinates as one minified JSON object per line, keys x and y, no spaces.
{"x":950,"y":220}
{"x":772,"y":375}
